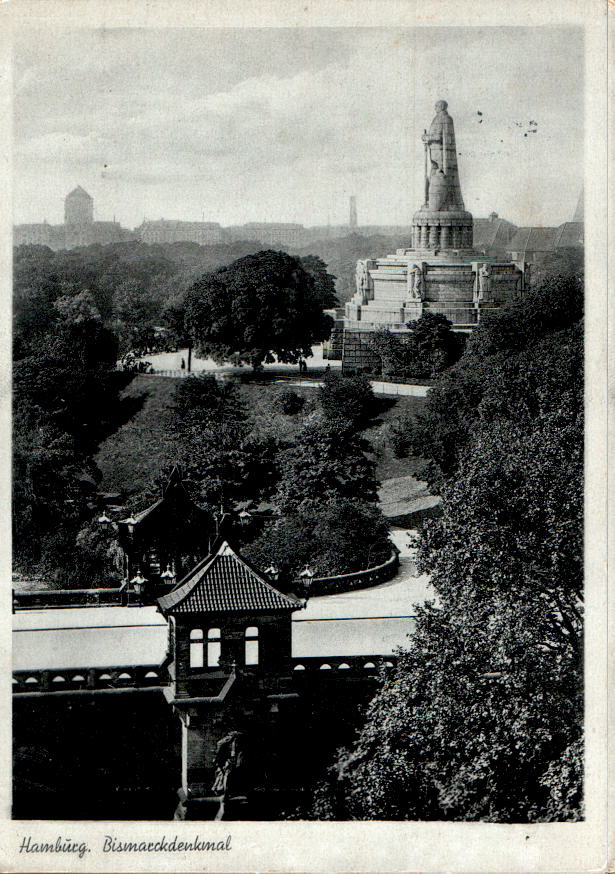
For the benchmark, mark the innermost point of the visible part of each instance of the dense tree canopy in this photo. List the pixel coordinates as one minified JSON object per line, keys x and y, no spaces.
{"x":482,"y":719}
{"x":65,"y":399}
{"x":327,"y":460}
{"x":339,"y":536}
{"x":260,"y":306}
{"x":427,"y":347}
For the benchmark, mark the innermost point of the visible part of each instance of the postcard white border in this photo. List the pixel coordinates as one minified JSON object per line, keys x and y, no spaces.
{"x":359,"y":846}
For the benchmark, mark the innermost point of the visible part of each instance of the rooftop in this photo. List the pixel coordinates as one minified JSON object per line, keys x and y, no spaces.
{"x":80,"y":192}
{"x":225,"y":582}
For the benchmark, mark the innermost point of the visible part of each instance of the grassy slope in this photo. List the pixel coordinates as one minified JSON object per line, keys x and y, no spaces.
{"x":131,"y":458}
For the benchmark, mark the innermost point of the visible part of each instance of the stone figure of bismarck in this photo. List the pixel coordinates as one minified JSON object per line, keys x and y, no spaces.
{"x":442,"y":176}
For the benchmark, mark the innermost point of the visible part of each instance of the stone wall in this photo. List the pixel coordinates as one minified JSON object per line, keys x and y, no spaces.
{"x":358,"y":580}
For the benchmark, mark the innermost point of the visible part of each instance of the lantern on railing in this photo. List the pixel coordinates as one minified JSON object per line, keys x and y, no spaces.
{"x":130,"y":523}
{"x":245,"y":517}
{"x":168,"y":576}
{"x":104,"y":521}
{"x":306,"y":576}
{"x":138,"y":583}
{"x":272,"y":572}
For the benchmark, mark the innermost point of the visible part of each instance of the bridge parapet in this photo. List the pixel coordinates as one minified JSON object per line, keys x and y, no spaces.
{"x":340,"y":666}
{"x":89,"y":679}
{"x":135,"y":677}
{"x":45,"y":599}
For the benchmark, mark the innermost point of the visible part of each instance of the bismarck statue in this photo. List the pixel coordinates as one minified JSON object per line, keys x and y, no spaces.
{"x":443,"y":191}
{"x":442,"y":222}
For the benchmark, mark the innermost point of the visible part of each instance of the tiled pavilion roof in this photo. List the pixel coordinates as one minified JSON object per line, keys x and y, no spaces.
{"x":225,"y":583}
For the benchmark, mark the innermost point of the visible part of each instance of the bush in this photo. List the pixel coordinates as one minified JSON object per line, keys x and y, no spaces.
{"x":347,"y":397}
{"x":289,"y":402}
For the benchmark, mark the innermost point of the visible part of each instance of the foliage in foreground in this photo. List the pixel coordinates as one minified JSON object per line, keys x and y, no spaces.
{"x":426,"y":348}
{"x":483,"y":717}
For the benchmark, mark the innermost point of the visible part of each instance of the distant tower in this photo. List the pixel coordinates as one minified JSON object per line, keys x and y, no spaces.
{"x":353,"y":213}
{"x":78,"y":207}
{"x":579,"y":211}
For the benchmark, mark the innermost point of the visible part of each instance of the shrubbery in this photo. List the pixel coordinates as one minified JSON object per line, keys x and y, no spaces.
{"x":483,"y":717}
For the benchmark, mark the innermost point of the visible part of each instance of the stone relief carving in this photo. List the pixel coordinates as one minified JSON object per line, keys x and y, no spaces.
{"x":483,"y":285}
{"x":363,"y":281}
{"x":416,"y":283}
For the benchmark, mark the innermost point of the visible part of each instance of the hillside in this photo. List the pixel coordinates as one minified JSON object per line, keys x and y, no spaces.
{"x":131,"y":457}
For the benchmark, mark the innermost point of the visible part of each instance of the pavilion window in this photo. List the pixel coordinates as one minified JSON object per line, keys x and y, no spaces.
{"x":251,"y":653}
{"x":214,"y":647}
{"x":196,"y":648}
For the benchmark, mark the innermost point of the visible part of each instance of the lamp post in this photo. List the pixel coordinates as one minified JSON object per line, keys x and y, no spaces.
{"x":306,"y":576}
{"x":104,"y":521}
{"x":245,"y":517}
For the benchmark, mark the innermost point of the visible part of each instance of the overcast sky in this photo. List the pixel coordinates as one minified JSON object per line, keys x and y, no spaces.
{"x":284,"y":124}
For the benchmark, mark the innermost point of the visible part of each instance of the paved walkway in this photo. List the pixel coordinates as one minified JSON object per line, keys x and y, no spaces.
{"x":171,"y":361}
{"x":168,"y":364}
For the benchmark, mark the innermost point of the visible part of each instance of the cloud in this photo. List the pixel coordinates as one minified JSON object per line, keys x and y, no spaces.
{"x":289,"y":122}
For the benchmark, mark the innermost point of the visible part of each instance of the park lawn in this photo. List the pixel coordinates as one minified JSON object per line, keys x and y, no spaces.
{"x":132,"y":457}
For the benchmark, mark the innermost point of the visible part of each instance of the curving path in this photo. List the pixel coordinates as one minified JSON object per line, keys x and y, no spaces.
{"x":368,"y":622}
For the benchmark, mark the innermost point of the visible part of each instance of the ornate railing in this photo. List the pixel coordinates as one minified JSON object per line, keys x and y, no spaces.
{"x":50,"y":598}
{"x":89,"y":679}
{"x":45,"y":599}
{"x":342,"y":665}
{"x":143,"y":677}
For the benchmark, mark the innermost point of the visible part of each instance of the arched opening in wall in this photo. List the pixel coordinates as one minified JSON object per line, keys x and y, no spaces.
{"x":214,"y":647}
{"x":251,"y":645}
{"x":196,"y":648}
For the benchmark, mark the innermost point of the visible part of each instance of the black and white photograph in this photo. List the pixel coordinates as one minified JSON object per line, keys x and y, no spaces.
{"x":298,"y":383}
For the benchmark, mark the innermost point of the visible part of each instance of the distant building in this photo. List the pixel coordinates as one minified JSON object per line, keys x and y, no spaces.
{"x":268,"y":233}
{"x":169,"y":231}
{"x":34,"y":235}
{"x":492,"y":235}
{"x":79,"y":228}
{"x":352,"y":220}
{"x":78,"y":207}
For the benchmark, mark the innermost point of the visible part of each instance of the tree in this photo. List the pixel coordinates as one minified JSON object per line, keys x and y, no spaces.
{"x":427,"y":347}
{"x":341,"y":536}
{"x":554,"y":305}
{"x":324,"y":282}
{"x":482,"y":718}
{"x":77,"y":308}
{"x":204,"y":400}
{"x":52,"y":483}
{"x":222,"y":462}
{"x":259,"y":306}
{"x":519,"y":362}
{"x":65,"y":398}
{"x":347,"y":397}
{"x":327,"y":461}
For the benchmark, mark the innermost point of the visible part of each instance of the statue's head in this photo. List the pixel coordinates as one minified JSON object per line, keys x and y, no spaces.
{"x":441,"y":106}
